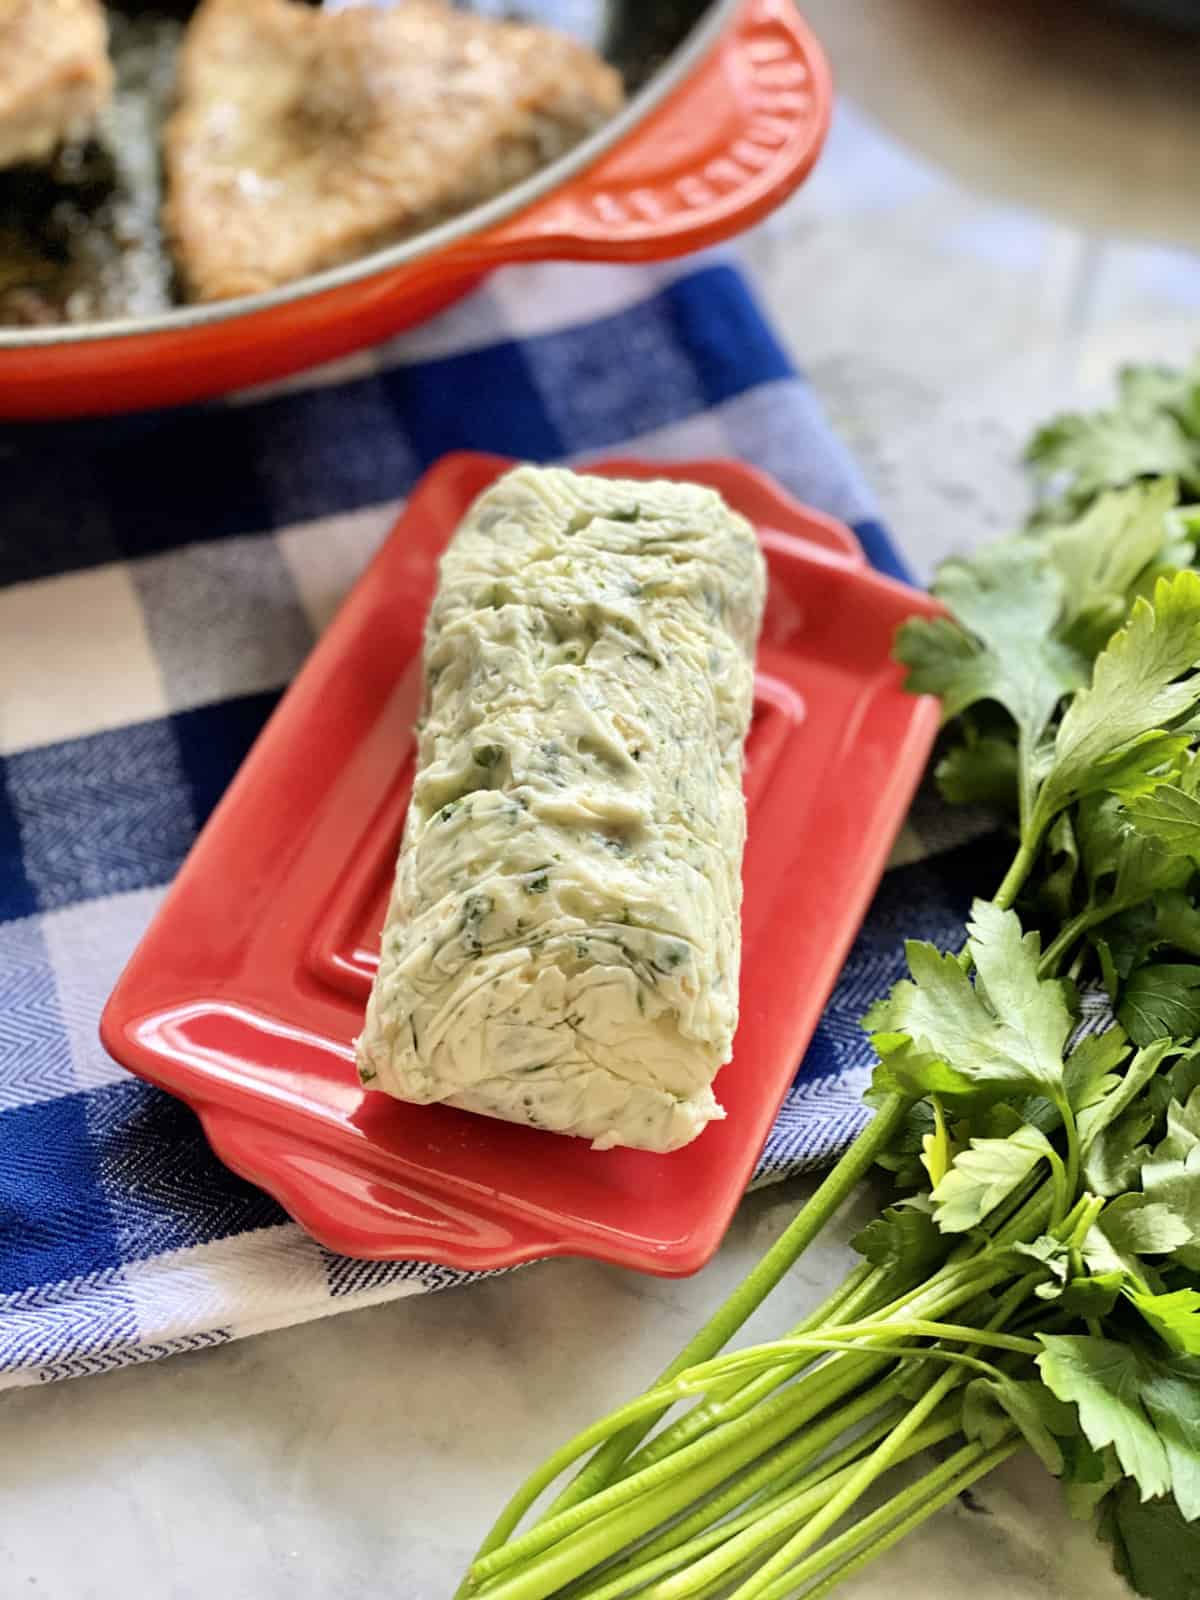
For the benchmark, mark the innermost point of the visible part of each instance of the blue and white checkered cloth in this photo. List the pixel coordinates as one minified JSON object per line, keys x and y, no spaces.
{"x":161,"y":579}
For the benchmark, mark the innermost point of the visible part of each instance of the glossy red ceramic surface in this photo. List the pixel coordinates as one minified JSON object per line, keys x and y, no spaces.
{"x":247,"y":991}
{"x":716,"y":154}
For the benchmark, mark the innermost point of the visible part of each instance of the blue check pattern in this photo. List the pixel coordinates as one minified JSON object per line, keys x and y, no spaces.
{"x":161,"y":579}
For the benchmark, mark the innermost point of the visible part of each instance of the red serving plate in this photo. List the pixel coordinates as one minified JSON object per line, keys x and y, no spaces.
{"x":246,"y":993}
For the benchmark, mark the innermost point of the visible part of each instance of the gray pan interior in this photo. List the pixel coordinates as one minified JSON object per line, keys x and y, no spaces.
{"x":87,"y":228}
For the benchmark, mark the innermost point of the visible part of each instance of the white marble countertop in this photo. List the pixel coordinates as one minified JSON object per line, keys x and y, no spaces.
{"x":363,"y":1456}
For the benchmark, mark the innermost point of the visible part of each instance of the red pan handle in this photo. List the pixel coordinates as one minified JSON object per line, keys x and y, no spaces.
{"x":736,"y":137}
{"x":732,"y":141}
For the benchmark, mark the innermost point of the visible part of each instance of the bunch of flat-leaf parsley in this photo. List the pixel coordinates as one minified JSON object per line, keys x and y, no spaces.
{"x":1035,"y":1279}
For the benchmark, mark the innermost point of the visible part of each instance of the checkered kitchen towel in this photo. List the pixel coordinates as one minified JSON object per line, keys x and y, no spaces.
{"x":161,"y":579}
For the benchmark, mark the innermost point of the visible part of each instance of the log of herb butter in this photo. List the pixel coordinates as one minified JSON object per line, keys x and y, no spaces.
{"x":563,"y":942}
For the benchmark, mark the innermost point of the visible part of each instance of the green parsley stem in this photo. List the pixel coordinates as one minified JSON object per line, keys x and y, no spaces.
{"x":937,"y":1294}
{"x":785,"y":1471}
{"x":1026,"y":791}
{"x":1089,"y":1210}
{"x":761,"y":1523}
{"x":1025,"y":1225}
{"x":865,"y":1284}
{"x":1011,"y":884}
{"x":531,"y":1571}
{"x":666,"y":1486}
{"x":516,"y":1577}
{"x":1074,"y":1154}
{"x":1063,"y":1192}
{"x":881,"y":1459}
{"x":874,"y":1341}
{"x":919,"y":1328}
{"x":1066,"y":1229}
{"x":1090,"y":917}
{"x":860,"y":1479}
{"x":591,"y":1533}
{"x":1014,"y":879}
{"x":973,"y":1463}
{"x":656,"y":1488}
{"x":765,"y":1532}
{"x":836,"y":1187}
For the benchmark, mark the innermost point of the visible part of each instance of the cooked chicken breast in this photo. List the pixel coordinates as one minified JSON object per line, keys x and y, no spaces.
{"x":54,"y":75}
{"x":304,"y":138}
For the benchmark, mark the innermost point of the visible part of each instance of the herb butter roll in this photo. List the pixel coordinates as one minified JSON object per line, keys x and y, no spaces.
{"x":563,"y":940}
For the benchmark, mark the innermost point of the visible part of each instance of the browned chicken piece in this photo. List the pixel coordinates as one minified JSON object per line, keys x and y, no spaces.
{"x":304,"y":138}
{"x":55,"y":76}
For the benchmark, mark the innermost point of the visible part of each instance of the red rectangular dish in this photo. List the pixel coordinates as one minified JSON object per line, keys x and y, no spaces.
{"x":246,"y":993}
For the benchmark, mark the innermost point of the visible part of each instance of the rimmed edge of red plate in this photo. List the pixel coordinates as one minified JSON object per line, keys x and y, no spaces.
{"x":244,"y":1140}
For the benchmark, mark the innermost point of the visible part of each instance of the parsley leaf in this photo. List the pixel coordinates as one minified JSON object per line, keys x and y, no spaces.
{"x":1125,"y":873}
{"x":1102,"y":554}
{"x":1000,"y":646}
{"x":1154,"y":1548}
{"x":903,"y":1240}
{"x":1090,"y":1073}
{"x":902,"y":1158}
{"x":1122,"y":865}
{"x":1088,"y":1475}
{"x":1174,"y":1316}
{"x":1183,"y":1130}
{"x":1140,"y":1073}
{"x":1177,"y":921}
{"x":1109,"y":977}
{"x":1184,"y":1076}
{"x":981,"y":771}
{"x":1106,"y":1254}
{"x":1161,"y":1001}
{"x":1174,"y":1187}
{"x":1137,"y":1226}
{"x":991,"y":1407}
{"x":1171,"y":1395}
{"x":1107,"y":449}
{"x":1060,"y":869}
{"x":1170,"y":813}
{"x":941,"y":1034}
{"x":1111,"y":734}
{"x":1082,"y":1294}
{"x":1105,"y":1380}
{"x":986,"y":1174}
{"x":1114,"y":1158}
{"x":1154,"y":387}
{"x":1093,"y":1294}
{"x":1006,"y":964}
{"x":1166,"y":919}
